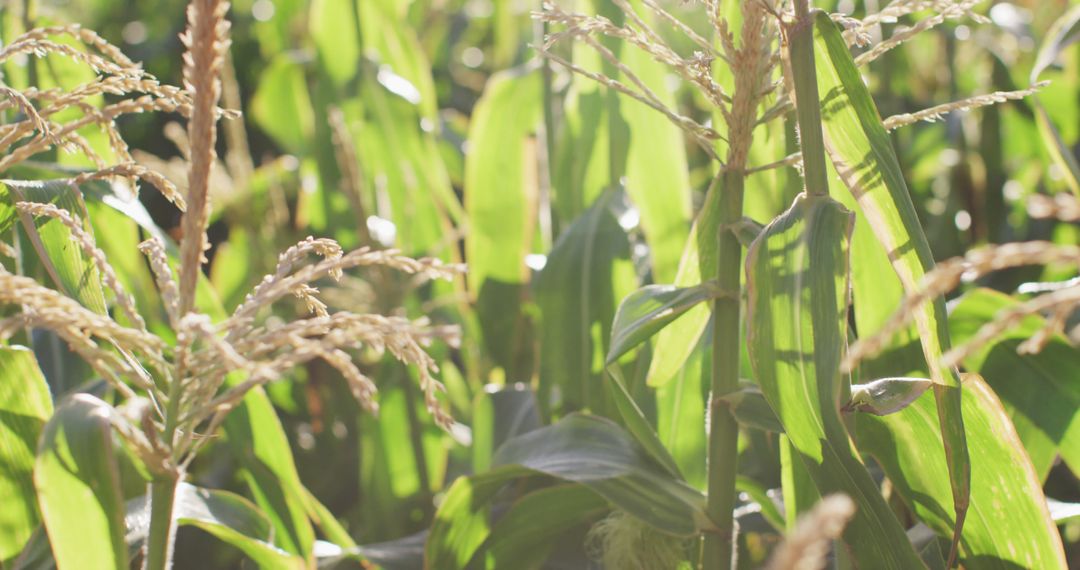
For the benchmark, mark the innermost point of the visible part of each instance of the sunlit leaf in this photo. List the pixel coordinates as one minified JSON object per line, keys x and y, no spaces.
{"x":78,"y":485}
{"x":1064,"y":32}
{"x":71,"y":270}
{"x":1039,"y":391}
{"x":797,"y":277}
{"x":25,"y":406}
{"x":862,"y":153}
{"x":1009,"y":525}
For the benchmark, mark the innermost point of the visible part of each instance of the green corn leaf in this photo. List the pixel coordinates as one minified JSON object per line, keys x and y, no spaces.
{"x":501,"y":195}
{"x":78,"y":485}
{"x":525,"y":535}
{"x":751,"y":409}
{"x":282,"y":104}
{"x":71,"y":270}
{"x":648,"y":310}
{"x":1039,"y":391}
{"x":681,"y":406}
{"x":1064,"y":32}
{"x":797,"y":276}
{"x":259,"y":444}
{"x":576,"y":293}
{"x":636,"y":423}
{"x":227,"y":516}
{"x":597,"y":453}
{"x":25,"y":406}
{"x":1009,"y":526}
{"x":500,"y":413}
{"x":862,"y":153}
{"x":700,"y":257}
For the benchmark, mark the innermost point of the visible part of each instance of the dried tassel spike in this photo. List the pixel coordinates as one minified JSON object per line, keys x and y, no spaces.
{"x":206,"y":40}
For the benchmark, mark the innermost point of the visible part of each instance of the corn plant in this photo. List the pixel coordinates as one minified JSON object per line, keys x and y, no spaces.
{"x":851,"y":235}
{"x":173,"y":389}
{"x":750,"y":284}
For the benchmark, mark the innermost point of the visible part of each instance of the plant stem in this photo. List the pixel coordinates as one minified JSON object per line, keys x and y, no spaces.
{"x":808,"y":106}
{"x":723,"y":430}
{"x":159,"y":541}
{"x":162,"y":532}
{"x":751,"y":67}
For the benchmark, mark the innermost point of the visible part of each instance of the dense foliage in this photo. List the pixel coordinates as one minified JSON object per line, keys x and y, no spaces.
{"x":513,"y":284}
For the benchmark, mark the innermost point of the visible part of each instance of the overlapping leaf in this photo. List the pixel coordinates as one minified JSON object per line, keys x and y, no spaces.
{"x":1009,"y":526}
{"x":797,"y":276}
{"x":863,"y":155}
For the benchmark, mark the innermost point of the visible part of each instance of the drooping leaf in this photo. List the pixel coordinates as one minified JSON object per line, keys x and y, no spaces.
{"x":1009,"y":525}
{"x":597,"y":453}
{"x":648,"y":310}
{"x":227,"y":516}
{"x":797,"y":278}
{"x":78,"y":486}
{"x":1039,"y":391}
{"x":525,"y":535}
{"x":862,"y":153}
{"x":751,"y":409}
{"x":25,"y":406}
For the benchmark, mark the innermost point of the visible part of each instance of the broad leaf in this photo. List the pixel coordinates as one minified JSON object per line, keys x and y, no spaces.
{"x":597,"y":453}
{"x":261,"y":448}
{"x":25,"y":406}
{"x":648,"y":310}
{"x":227,"y":516}
{"x":1040,"y":392}
{"x":78,"y":485}
{"x":71,"y":270}
{"x":501,"y":195}
{"x":797,"y":276}
{"x":1009,"y":526}
{"x":576,"y":293}
{"x":863,"y":155}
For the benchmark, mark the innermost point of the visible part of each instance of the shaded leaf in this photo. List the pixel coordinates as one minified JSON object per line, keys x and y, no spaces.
{"x":597,"y":453}
{"x":648,"y":310}
{"x":524,"y":535}
{"x":227,"y":516}
{"x":576,"y":294}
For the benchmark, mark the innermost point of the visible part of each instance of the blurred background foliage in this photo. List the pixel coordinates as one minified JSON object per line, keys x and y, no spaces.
{"x":430,"y":126}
